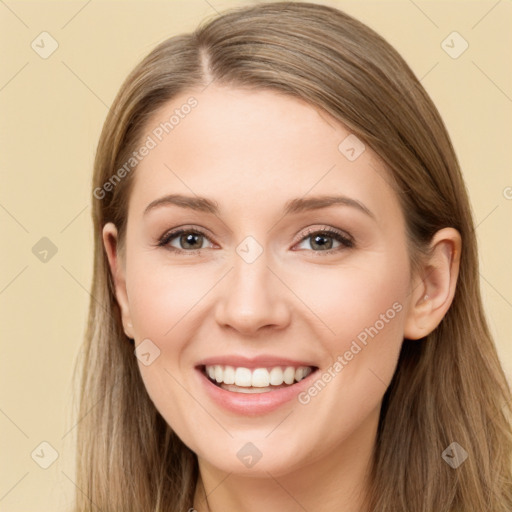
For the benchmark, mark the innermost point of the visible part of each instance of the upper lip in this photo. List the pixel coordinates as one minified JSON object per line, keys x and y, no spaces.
{"x":261,"y":361}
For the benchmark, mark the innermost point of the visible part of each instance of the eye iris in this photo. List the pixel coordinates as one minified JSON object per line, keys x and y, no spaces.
{"x":189,"y":238}
{"x":319,"y":237}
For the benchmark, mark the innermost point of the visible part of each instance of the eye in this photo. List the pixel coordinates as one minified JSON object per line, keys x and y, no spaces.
{"x":187,"y":240}
{"x":191,"y":241}
{"x":323,"y":240}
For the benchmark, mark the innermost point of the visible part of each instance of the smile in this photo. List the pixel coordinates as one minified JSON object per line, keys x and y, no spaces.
{"x":256,"y":380}
{"x":253,"y":386}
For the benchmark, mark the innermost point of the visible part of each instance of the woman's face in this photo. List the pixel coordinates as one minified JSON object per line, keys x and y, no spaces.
{"x":293,"y":256}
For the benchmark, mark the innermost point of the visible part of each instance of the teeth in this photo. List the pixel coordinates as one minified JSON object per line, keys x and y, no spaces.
{"x":276,"y":376}
{"x":289,"y":375}
{"x":229,"y":375}
{"x":260,"y":378}
{"x":242,"y":376}
{"x":257,"y":378}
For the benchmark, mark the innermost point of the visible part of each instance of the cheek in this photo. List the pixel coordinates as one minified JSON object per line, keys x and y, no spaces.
{"x":363,"y":306}
{"x":351,"y":298}
{"x":161,"y":301}
{"x":161,"y":296}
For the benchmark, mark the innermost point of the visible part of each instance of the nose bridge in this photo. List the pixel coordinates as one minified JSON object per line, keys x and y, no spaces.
{"x":252,"y":296}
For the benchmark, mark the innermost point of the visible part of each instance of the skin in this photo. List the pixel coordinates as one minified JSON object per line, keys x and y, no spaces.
{"x":251,"y":152}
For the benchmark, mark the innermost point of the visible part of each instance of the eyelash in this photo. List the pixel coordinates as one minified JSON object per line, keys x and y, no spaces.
{"x":346,"y":241}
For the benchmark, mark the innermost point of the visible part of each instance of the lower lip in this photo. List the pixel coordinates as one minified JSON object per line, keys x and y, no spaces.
{"x":252,"y":403}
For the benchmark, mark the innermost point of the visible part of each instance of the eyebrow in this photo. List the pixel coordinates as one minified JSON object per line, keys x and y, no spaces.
{"x":202,"y":204}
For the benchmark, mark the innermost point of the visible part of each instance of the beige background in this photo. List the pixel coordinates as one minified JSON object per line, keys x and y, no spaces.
{"x":52,"y":111}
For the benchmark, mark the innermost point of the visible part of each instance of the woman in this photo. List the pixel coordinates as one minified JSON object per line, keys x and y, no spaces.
{"x":286,"y":309}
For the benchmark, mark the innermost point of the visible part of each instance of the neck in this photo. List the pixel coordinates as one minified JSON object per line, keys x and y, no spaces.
{"x":335,"y":482}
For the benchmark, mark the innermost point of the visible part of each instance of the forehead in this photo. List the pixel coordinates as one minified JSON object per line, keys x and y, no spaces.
{"x":255,"y":148}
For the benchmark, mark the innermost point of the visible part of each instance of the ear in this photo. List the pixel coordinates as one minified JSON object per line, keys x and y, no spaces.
{"x":432,"y":291}
{"x":117,"y":269}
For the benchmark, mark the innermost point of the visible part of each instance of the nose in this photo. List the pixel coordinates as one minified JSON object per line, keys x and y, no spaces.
{"x":252,"y":297}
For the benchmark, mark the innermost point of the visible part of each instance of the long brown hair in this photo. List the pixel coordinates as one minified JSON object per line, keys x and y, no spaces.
{"x":448,"y":387}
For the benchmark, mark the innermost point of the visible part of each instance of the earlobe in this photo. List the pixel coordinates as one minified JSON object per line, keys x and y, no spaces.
{"x":116,"y":263}
{"x":432,"y":293}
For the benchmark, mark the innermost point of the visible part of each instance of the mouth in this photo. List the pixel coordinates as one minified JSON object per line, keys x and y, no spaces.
{"x":255,"y":380}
